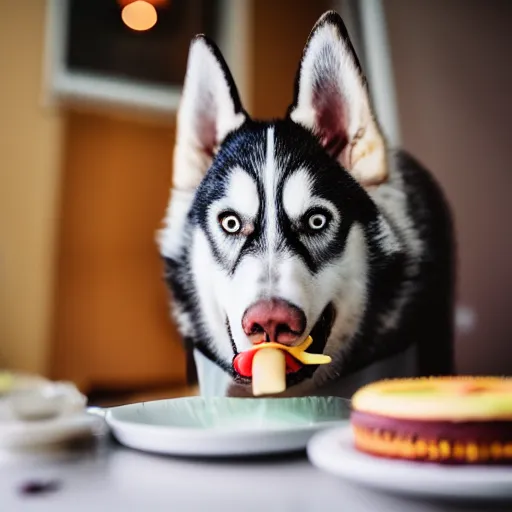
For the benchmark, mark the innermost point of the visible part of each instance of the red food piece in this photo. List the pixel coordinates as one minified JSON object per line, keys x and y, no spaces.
{"x":242,"y":363}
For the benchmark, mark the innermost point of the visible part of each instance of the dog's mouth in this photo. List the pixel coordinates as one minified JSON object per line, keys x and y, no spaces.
{"x":296,"y":372}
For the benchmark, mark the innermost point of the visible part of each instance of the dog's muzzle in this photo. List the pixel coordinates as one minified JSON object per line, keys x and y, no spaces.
{"x":296,"y":371}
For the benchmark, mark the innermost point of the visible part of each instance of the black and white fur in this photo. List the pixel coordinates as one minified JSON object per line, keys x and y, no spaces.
{"x":374,"y":278}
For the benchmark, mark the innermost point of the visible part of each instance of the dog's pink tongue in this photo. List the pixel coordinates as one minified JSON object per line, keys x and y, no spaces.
{"x":242,"y":363}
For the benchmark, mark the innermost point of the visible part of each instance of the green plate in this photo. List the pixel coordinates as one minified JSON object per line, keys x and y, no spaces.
{"x":225,"y":426}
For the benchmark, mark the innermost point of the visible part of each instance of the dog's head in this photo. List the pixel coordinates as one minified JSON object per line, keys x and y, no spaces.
{"x":266,"y":231}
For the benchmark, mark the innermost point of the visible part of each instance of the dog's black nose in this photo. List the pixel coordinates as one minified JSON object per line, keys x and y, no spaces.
{"x":275,"y":320}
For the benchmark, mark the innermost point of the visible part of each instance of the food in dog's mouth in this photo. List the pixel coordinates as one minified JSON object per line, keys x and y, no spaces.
{"x":267,"y":364}
{"x":268,"y":372}
{"x":458,"y":420}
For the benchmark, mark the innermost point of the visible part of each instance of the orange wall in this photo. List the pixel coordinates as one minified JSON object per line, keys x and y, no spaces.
{"x":30,"y":144}
{"x":112,"y":327}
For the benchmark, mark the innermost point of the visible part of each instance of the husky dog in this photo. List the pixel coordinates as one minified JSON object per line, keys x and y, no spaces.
{"x":303,"y":226}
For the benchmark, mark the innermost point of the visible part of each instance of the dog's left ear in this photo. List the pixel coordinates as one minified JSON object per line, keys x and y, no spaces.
{"x":332,"y":100}
{"x":210,"y":108}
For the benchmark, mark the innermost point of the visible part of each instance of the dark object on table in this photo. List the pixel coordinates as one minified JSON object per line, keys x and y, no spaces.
{"x":33,"y":487}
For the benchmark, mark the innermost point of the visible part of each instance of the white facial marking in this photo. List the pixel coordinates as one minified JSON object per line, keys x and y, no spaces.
{"x":242,"y":200}
{"x":298,"y":197}
{"x":242,"y":194}
{"x":270,"y":178}
{"x":297,"y":193}
{"x":210,"y":295}
{"x":240,"y":293}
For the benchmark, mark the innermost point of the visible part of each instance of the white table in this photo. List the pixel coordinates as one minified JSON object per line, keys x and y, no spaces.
{"x":108,"y":477}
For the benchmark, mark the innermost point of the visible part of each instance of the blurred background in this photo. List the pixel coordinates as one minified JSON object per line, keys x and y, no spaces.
{"x":88,"y":94}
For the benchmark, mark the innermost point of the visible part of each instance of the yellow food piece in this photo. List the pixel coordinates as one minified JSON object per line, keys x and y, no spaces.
{"x":268,"y":372}
{"x":269,"y":365}
{"x":298,"y":352}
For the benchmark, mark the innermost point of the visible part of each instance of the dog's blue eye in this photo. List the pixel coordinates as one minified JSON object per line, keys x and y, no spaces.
{"x":317,"y":221}
{"x":230,"y":223}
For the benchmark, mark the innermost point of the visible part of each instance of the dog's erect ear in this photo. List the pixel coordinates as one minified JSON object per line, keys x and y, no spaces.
{"x":332,"y":100}
{"x":209,"y":109}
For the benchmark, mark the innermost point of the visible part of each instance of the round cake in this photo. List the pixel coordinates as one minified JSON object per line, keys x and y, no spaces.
{"x":465,"y":420}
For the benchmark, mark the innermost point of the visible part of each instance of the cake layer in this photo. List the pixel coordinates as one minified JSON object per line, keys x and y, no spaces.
{"x":423,"y":450}
{"x":466,"y":431}
{"x":438,"y":398}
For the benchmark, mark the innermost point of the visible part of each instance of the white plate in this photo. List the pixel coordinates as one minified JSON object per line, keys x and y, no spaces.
{"x":35,"y":413}
{"x":197,"y":426}
{"x":33,"y":434}
{"x":333,"y":451}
